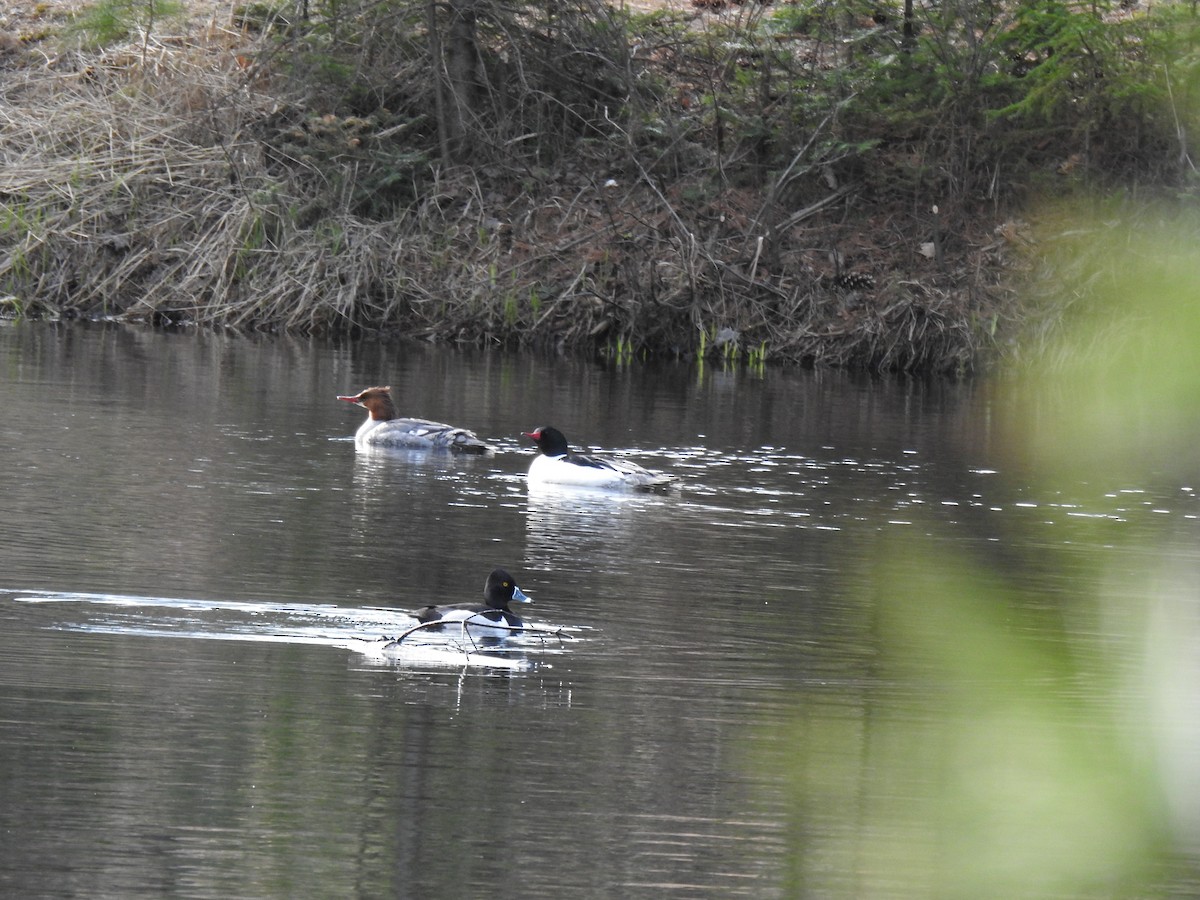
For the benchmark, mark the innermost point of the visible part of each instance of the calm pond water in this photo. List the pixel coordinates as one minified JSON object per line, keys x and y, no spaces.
{"x":197,"y":571}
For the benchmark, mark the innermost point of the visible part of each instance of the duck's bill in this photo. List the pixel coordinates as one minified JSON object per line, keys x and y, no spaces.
{"x":520,"y":596}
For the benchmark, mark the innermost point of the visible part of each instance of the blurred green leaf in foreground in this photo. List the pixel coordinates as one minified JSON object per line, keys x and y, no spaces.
{"x":1021,"y":742}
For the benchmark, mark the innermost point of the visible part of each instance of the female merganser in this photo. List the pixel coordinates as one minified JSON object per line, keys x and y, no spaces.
{"x":556,"y":464}
{"x":498,"y":592}
{"x":384,"y":428}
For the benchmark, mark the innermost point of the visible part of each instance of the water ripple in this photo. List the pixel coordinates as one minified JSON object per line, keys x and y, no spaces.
{"x":370,"y":631}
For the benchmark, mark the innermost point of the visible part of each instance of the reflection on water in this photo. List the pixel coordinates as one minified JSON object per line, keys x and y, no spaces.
{"x":389,"y":636}
{"x":200,"y":576}
{"x":605,"y":527}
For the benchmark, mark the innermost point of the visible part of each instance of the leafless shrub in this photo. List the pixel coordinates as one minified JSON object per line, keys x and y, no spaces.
{"x":176,"y":181}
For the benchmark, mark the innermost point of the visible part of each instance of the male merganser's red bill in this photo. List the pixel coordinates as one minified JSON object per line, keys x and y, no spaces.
{"x":498,"y":591}
{"x":557,"y":464}
{"x":383,"y":428}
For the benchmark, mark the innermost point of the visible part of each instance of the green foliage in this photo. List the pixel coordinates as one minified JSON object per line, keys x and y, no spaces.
{"x":333,"y":235}
{"x":23,"y":229}
{"x":1036,"y":743}
{"x":621,"y":351}
{"x":253,"y":237}
{"x":756,"y":359}
{"x":1075,"y":69}
{"x":511,"y":310}
{"x":794,"y":18}
{"x":724,"y":345}
{"x":981,"y":88}
{"x":12,"y":307}
{"x":827,"y":19}
{"x":988,"y":86}
{"x":112,"y":21}
{"x":1122,"y":357}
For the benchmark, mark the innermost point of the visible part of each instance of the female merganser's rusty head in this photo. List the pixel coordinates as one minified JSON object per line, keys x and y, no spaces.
{"x":375,"y":400}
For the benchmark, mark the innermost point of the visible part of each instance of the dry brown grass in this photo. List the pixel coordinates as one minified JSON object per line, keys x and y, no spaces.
{"x":140,"y":183}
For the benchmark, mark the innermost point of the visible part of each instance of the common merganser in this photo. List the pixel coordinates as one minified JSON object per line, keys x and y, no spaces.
{"x":383,"y":428}
{"x":556,"y":464}
{"x":498,"y":591}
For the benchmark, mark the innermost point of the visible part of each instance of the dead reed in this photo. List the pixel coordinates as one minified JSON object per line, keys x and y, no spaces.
{"x":147,"y":183}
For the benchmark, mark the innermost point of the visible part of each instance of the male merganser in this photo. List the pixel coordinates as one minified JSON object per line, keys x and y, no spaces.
{"x":498,"y":592}
{"x":384,"y":428}
{"x":556,"y":464}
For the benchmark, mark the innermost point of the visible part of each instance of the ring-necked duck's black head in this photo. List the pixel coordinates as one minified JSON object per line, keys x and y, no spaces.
{"x":498,"y":591}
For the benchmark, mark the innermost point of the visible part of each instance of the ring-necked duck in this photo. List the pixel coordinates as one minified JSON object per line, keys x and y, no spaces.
{"x":498,"y":592}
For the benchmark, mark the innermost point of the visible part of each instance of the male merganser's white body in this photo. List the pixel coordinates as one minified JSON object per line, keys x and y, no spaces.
{"x":383,"y":428}
{"x":556,"y":464}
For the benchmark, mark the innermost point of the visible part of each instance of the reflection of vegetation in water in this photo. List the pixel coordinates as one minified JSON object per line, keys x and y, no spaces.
{"x":1022,"y":745}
